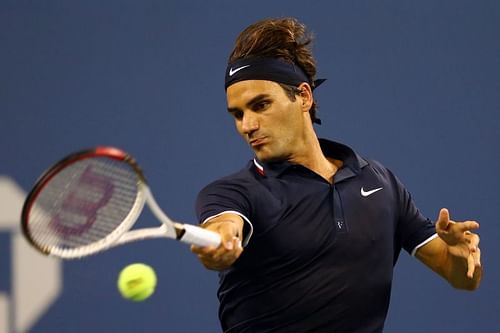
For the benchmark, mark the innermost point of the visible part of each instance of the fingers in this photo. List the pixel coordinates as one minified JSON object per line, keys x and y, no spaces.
{"x":444,"y":228}
{"x":474,"y":258}
{"x":477,"y":258}
{"x":470,"y":266}
{"x":443,"y":221}
{"x":443,"y":218}
{"x":467,"y":226}
{"x":473,"y":241}
{"x":228,"y":232}
{"x":453,"y":232}
{"x":220,"y":258}
{"x":226,"y":253}
{"x":473,"y":262}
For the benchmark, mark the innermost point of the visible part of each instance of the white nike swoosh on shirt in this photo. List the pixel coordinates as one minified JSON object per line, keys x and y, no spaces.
{"x":367,"y":193}
{"x":233,"y":71}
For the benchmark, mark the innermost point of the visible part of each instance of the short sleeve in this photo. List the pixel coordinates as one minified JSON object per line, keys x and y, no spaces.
{"x":225,"y":197}
{"x":413,"y":227}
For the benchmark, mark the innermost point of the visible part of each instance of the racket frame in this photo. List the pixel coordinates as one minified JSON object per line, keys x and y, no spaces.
{"x":122,"y":233}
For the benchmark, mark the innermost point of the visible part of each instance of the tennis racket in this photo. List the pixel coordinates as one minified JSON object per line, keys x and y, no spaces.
{"x":89,"y":201}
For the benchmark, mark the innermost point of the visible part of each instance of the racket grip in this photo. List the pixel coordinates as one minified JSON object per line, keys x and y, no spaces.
{"x":199,"y":236}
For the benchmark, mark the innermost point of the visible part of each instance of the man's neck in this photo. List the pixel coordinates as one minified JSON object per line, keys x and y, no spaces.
{"x":314,"y":159}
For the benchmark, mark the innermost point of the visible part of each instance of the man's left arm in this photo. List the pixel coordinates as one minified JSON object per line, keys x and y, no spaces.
{"x":455,"y":253}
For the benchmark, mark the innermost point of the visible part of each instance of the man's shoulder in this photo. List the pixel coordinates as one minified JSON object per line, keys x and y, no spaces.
{"x":376,"y":165}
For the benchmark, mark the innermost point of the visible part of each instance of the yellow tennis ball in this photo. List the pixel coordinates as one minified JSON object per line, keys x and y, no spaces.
{"x":137,"y":282}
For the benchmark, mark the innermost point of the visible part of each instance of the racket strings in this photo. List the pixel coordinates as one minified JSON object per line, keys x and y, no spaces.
{"x":86,"y":202}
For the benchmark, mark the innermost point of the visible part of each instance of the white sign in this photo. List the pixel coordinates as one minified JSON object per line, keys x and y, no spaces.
{"x":36,"y":279}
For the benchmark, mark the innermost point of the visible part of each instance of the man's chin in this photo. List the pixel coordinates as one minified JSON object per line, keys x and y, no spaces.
{"x":262,"y":156}
{"x":267,"y":157}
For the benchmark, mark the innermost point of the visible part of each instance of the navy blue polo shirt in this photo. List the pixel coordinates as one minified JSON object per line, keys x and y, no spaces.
{"x":318,"y":257}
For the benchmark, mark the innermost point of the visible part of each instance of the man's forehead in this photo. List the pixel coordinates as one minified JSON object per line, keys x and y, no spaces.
{"x":239,"y":95}
{"x":250,"y":88}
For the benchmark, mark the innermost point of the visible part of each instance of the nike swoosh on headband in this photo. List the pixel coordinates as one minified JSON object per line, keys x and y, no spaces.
{"x":234,"y":71}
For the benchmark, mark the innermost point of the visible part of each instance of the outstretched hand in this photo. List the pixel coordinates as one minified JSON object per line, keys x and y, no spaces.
{"x":462,"y":243}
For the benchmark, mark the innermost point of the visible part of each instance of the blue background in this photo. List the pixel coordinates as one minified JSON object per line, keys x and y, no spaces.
{"x":413,"y":84}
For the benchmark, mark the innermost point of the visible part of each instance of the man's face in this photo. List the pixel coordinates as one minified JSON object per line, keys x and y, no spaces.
{"x":267,"y":119}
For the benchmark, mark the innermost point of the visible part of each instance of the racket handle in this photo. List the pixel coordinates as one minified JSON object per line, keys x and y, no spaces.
{"x":199,"y":236}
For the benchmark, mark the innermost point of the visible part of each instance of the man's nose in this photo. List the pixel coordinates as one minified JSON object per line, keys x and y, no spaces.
{"x":249,"y":123}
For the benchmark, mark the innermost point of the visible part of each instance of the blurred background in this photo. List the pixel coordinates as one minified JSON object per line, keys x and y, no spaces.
{"x":413,"y":84}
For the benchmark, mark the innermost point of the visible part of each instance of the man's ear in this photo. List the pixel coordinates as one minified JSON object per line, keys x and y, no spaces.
{"x":306,"y":96}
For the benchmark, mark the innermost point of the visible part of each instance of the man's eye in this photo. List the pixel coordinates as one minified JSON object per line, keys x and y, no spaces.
{"x":261,"y":105}
{"x":237,"y":115}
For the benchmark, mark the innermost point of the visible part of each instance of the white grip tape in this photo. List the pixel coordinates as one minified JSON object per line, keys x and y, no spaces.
{"x":199,"y":236}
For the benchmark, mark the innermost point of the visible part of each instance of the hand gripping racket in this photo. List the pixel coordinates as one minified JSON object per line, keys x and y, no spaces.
{"x":89,"y":201}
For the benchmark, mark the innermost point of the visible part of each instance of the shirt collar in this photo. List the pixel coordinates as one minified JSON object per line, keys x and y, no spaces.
{"x":353,"y":163}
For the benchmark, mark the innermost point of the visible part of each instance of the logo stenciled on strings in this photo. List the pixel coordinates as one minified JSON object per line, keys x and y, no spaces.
{"x":76,"y":205}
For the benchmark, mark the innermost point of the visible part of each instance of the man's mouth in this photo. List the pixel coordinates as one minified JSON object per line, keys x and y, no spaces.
{"x":257,"y":141}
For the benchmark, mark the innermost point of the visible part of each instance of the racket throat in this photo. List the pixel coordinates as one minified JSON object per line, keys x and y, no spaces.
{"x":179,"y":232}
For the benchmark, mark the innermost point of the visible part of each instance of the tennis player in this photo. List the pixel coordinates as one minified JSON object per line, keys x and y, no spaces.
{"x":311,"y":230}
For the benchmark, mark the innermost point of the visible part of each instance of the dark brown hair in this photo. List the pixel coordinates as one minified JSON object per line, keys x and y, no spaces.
{"x":283,"y":38}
